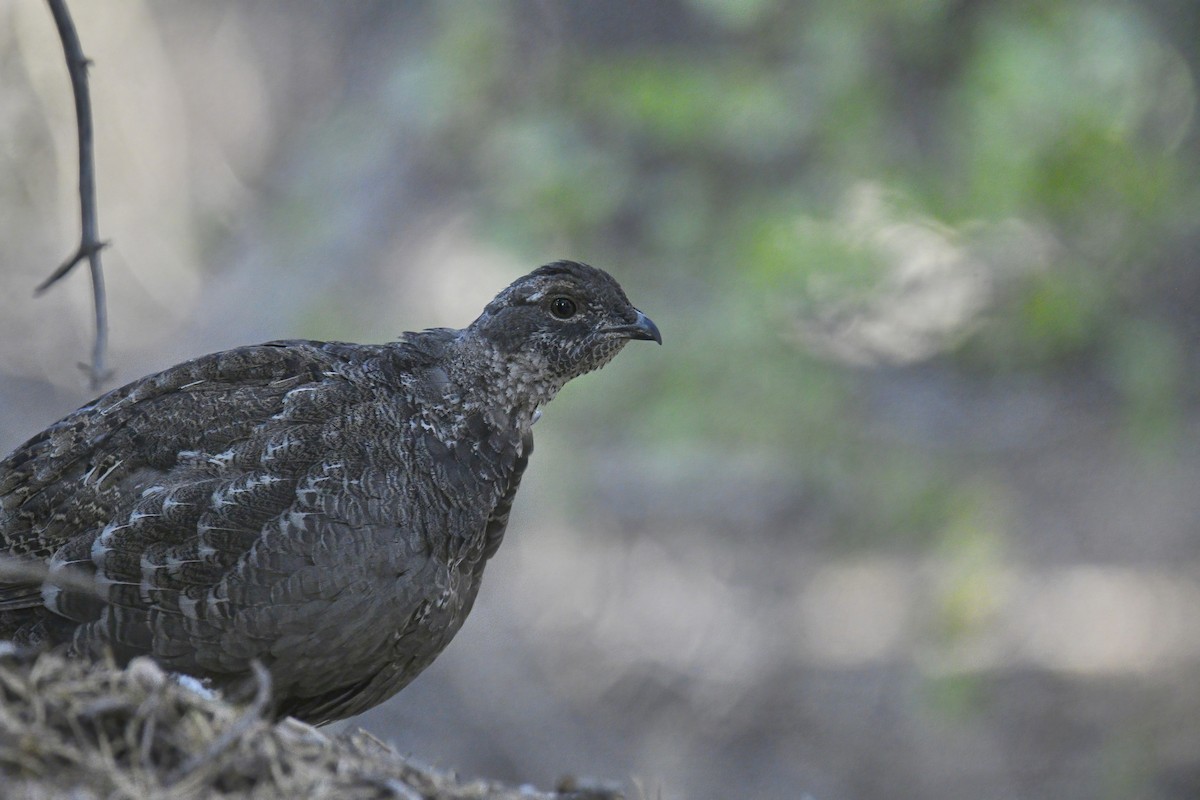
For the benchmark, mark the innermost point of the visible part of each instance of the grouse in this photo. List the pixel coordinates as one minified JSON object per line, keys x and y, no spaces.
{"x":324,"y":509}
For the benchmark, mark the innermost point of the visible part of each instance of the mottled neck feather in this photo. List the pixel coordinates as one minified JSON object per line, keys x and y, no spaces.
{"x":516,"y":383}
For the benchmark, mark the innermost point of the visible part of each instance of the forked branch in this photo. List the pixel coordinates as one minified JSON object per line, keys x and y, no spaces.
{"x":89,"y":238}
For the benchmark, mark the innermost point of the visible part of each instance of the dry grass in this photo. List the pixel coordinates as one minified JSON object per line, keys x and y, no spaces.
{"x":80,"y":730}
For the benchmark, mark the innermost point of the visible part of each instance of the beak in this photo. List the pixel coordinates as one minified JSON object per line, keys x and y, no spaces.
{"x":643,"y":328}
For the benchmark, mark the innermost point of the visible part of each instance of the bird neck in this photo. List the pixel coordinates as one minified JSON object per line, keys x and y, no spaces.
{"x":516,"y":384}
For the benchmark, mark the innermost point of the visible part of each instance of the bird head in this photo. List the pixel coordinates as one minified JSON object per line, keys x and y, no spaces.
{"x":562,"y":320}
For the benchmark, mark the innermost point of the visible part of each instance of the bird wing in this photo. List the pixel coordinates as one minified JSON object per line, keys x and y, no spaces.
{"x":159,"y":488}
{"x":76,"y":473}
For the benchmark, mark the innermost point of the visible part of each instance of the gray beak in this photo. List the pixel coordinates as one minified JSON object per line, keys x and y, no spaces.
{"x":642,"y":328}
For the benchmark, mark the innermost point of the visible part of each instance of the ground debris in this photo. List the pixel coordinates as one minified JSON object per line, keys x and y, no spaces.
{"x":80,"y":730}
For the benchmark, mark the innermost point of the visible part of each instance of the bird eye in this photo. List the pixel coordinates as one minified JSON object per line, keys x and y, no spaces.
{"x":562,"y":307}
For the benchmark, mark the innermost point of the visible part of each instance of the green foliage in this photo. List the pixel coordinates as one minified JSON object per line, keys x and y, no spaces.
{"x":1063,"y":114}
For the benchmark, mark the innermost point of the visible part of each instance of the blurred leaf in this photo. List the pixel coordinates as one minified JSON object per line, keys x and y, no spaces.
{"x":725,"y":107}
{"x":1059,"y":315}
{"x":1147,"y":365}
{"x":957,"y":697}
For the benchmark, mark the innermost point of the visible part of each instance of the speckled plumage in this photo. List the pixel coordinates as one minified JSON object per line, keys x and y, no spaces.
{"x":324,"y":508}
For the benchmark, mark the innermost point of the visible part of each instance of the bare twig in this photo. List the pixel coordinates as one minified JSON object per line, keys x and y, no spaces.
{"x":89,"y":238}
{"x":15,"y":570}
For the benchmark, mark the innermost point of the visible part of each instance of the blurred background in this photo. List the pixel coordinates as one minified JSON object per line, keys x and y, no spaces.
{"x":906,"y":506}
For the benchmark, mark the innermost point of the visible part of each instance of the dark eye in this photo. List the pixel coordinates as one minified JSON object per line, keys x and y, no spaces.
{"x":562,"y":307}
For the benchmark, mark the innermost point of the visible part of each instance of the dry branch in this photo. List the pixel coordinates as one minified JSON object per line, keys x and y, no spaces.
{"x":89,"y":237}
